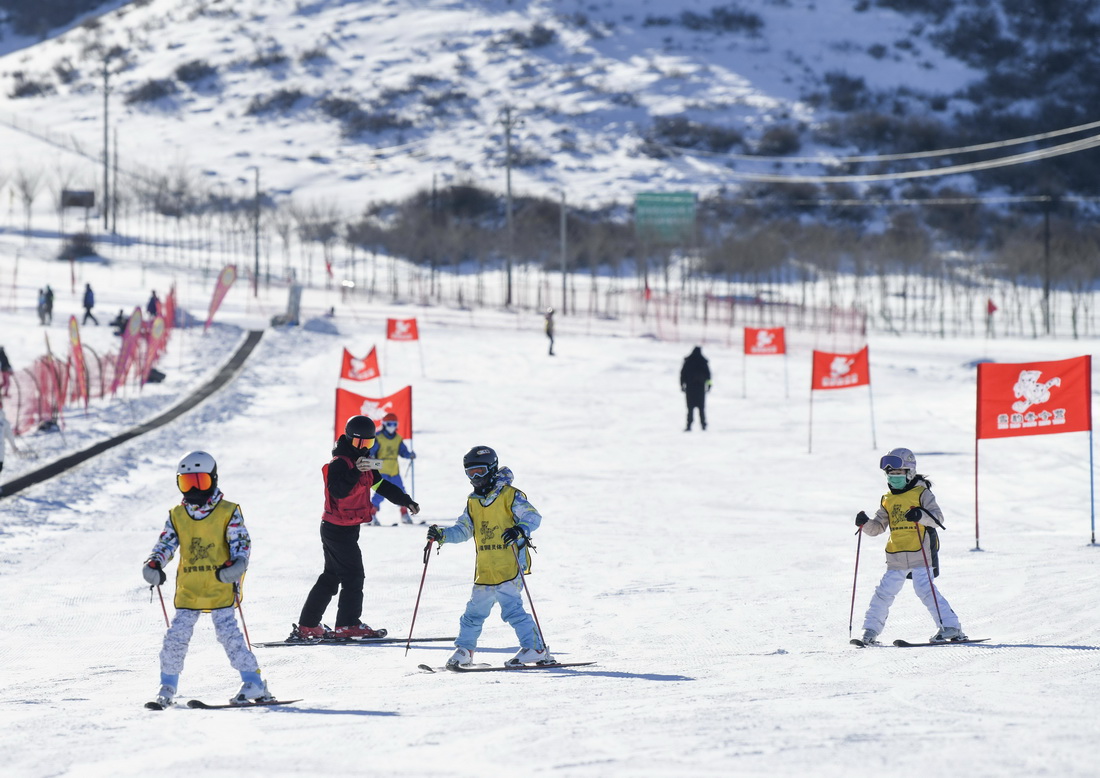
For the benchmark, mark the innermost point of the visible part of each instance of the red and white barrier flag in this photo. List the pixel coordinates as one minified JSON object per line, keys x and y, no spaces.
{"x":360,"y":369}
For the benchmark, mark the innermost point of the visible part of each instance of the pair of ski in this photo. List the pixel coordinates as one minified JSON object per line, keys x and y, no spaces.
{"x":199,"y":704}
{"x":907,"y":644}
{"x":348,"y":642}
{"x":485,"y":668}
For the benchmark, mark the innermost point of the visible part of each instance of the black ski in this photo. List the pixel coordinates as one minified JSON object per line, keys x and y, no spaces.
{"x":154,"y":705}
{"x":348,"y":642}
{"x":257,"y":704}
{"x":480,"y":668}
{"x":907,"y":644}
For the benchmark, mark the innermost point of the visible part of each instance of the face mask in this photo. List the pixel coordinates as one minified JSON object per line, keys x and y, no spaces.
{"x":896,"y":481}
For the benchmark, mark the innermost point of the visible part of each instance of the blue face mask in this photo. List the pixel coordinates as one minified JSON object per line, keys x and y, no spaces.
{"x":897,"y":481}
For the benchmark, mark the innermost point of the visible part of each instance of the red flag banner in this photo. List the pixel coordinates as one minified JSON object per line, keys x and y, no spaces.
{"x":360,"y":369}
{"x":225,"y":280}
{"x":154,"y":344}
{"x":401,"y":329}
{"x":765,"y":340}
{"x":841,"y":371}
{"x":399,"y":403}
{"x":80,"y":391}
{"x":1034,"y":398}
{"x":131,"y":336}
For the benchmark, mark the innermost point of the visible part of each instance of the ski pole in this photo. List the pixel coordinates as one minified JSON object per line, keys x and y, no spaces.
{"x":162,"y":608}
{"x":237,"y":597}
{"x":523,"y":580}
{"x":931,"y":585}
{"x":427,"y":556}
{"x":852,"y":612}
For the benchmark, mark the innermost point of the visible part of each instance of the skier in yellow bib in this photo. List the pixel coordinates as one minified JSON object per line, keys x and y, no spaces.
{"x":497,"y":516}
{"x":388,"y":446}
{"x":910,"y":512}
{"x":209,"y":534}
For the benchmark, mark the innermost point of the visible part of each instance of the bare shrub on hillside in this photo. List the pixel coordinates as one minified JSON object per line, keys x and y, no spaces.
{"x":152,"y":90}
{"x":195,"y":71}
{"x":280,"y":101}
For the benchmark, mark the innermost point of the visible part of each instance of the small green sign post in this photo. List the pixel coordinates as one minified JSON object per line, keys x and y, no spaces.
{"x":665,"y":217}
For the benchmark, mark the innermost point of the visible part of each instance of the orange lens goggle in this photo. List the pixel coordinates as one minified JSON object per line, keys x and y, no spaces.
{"x":362,"y":442}
{"x":188,"y":481}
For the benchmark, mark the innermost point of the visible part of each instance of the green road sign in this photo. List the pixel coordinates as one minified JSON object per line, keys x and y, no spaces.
{"x":665,"y":217}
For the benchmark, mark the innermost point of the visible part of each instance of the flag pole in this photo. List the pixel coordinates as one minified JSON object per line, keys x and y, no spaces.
{"x":1092,"y":487}
{"x":977,"y":545}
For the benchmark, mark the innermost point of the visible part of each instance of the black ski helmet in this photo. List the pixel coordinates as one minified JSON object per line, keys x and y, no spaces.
{"x":476,"y":458}
{"x":359,"y":427}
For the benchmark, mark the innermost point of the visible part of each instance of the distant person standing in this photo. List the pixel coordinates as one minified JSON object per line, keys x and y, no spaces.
{"x":41,"y":306}
{"x":89,"y":303}
{"x":49,"y":305}
{"x":695,"y":383}
{"x":550,"y":328}
{"x":153,"y":306}
{"x":5,"y":372}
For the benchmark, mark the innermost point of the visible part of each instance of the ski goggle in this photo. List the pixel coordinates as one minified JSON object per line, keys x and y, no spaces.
{"x":390,"y":425}
{"x":362,"y":442}
{"x":188,"y":481}
{"x":889,"y":462}
{"x":477,"y":471}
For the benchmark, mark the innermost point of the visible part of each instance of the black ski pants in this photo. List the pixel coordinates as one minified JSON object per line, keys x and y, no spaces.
{"x":696,"y":398}
{"x":343,"y":573}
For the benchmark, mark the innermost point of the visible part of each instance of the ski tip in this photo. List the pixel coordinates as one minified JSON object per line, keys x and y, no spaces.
{"x":426,"y":668}
{"x":857,"y":642}
{"x":153,"y":706}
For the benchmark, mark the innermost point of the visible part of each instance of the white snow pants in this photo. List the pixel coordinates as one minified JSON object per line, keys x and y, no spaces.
{"x":178,"y":637}
{"x":887,"y":590}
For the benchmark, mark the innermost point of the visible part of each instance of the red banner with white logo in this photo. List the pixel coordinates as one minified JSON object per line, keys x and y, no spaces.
{"x":401,"y":329}
{"x":765,"y":340}
{"x":399,"y":403}
{"x":225,"y":280}
{"x":1034,"y":398}
{"x":360,"y":369}
{"x":841,"y":371}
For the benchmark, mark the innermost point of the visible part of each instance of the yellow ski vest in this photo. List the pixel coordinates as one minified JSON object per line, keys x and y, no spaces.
{"x":495,"y":563}
{"x":905,"y":535}
{"x":203,"y":549}
{"x":387,"y":452}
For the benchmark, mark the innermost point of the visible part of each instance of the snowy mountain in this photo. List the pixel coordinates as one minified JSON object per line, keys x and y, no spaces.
{"x":364,"y":101}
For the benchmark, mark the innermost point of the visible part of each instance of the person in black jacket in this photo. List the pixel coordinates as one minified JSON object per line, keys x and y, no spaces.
{"x":349,"y":478}
{"x":695,"y":383}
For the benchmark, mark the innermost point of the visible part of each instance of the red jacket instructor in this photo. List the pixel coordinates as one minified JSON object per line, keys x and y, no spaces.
{"x":349,"y":478}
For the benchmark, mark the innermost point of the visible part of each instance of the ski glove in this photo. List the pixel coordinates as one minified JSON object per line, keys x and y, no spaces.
{"x":862,"y":518}
{"x":232,"y":570}
{"x":366,"y":463}
{"x":914,"y":514}
{"x":436,"y":533}
{"x":154,"y":576}
{"x":412,"y":455}
{"x":414,"y":508}
{"x":514,"y":535}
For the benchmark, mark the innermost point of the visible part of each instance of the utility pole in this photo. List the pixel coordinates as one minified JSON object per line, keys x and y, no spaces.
{"x":509,"y":122}
{"x":563,"y":255}
{"x":106,"y":151}
{"x":256,"y":236}
{"x":1046,"y":263}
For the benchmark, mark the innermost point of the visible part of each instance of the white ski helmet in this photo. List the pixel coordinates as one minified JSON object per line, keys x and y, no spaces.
{"x":197,"y":462}
{"x":900,"y":459}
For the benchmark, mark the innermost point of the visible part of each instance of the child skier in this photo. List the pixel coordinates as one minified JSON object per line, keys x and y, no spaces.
{"x":349,"y":477}
{"x":209,"y":532}
{"x":910,"y":512}
{"x":500,"y":516}
{"x":388,"y":446}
